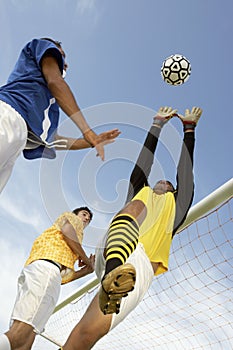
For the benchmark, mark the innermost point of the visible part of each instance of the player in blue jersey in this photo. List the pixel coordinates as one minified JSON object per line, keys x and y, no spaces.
{"x":29,"y":109}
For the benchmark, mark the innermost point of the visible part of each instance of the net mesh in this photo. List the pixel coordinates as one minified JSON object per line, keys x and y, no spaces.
{"x":190,"y":307}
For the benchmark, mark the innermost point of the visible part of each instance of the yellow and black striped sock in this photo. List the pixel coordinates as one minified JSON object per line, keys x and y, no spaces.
{"x":122,"y":240}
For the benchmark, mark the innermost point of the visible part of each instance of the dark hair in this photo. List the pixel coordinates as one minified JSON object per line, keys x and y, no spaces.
{"x":168,"y":183}
{"x":77,"y":210}
{"x":56,"y":42}
{"x":173,"y":189}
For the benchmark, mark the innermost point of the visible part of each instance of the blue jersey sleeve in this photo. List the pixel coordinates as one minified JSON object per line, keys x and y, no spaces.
{"x":39,"y":48}
{"x":29,"y":62}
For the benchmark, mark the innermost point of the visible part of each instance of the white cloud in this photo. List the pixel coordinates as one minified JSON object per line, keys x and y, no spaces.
{"x":84,"y":6}
{"x":12,"y":258}
{"x":88,"y":12}
{"x":17,"y":212}
{"x":21,"y":200}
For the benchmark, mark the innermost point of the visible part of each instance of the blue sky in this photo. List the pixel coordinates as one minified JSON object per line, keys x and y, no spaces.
{"x":115,"y":50}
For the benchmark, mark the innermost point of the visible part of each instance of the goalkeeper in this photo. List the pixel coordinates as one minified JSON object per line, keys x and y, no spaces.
{"x":138,"y":240}
{"x":52,"y":256}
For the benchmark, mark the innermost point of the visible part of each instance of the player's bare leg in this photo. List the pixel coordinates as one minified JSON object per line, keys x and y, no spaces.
{"x":93,"y":326}
{"x":21,"y":336}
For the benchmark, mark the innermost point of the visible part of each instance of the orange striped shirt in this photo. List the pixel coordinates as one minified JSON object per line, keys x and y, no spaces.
{"x":51,"y":244}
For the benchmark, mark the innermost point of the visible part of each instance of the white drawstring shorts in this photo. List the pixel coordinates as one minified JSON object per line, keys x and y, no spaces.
{"x":13,"y":138}
{"x":39,"y":287}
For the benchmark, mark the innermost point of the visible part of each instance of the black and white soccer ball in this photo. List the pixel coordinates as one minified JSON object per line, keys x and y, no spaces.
{"x":176,"y":69}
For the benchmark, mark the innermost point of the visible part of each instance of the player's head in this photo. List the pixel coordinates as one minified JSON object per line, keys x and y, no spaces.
{"x":163,"y":186}
{"x":84,"y":213}
{"x":58,"y":44}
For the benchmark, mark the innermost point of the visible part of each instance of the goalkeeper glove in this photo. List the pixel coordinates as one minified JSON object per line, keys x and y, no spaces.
{"x":163,"y":115}
{"x":190,"y":119}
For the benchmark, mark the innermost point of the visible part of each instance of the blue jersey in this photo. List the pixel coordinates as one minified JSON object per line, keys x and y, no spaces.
{"x":27,"y":92}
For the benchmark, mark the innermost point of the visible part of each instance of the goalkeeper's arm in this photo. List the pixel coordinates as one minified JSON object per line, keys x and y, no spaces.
{"x":185,"y":181}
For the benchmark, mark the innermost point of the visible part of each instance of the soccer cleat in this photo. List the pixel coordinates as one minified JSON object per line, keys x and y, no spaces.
{"x":115,"y":286}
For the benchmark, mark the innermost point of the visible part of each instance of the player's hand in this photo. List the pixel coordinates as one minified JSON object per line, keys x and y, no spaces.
{"x":104,"y":139}
{"x":99,"y":141}
{"x":166,"y":112}
{"x":92,"y":262}
{"x":191,"y":118}
{"x":90,"y":137}
{"x":89,"y":268}
{"x":69,"y":275}
{"x":163,"y":115}
{"x":80,"y":263}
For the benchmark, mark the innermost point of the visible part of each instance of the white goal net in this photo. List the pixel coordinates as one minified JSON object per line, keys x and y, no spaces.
{"x":190,"y":307}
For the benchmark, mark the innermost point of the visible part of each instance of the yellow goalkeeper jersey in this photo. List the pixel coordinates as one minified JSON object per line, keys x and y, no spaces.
{"x":155,"y":233}
{"x":51,"y":244}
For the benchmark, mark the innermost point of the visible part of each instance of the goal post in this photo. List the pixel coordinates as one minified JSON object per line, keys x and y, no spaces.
{"x":220,"y":195}
{"x":190,"y":307}
{"x":80,"y":291}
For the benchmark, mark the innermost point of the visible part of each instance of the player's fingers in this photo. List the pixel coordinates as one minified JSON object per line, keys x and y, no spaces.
{"x":161,"y":109}
{"x":197,"y":111}
{"x":180,"y":116}
{"x":194,"y":110}
{"x":100,"y":151}
{"x":113,"y":133}
{"x":106,"y":142}
{"x":108,"y":135}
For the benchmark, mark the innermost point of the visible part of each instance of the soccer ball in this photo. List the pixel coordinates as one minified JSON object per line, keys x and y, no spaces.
{"x":176,"y":70}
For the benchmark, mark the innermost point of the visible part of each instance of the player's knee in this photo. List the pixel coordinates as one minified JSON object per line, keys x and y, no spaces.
{"x":85,"y":338}
{"x":88,"y":338}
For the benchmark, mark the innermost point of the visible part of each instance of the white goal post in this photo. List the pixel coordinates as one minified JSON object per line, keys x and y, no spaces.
{"x":220,"y":195}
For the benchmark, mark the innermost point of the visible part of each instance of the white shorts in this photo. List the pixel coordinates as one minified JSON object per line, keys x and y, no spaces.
{"x":38,"y":290}
{"x":13,"y":138}
{"x":144,"y":277}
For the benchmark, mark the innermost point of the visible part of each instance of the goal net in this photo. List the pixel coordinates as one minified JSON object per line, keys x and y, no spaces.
{"x":190,"y":307}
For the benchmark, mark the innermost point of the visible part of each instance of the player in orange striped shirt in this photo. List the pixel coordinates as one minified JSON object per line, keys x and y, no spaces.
{"x":50,"y":264}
